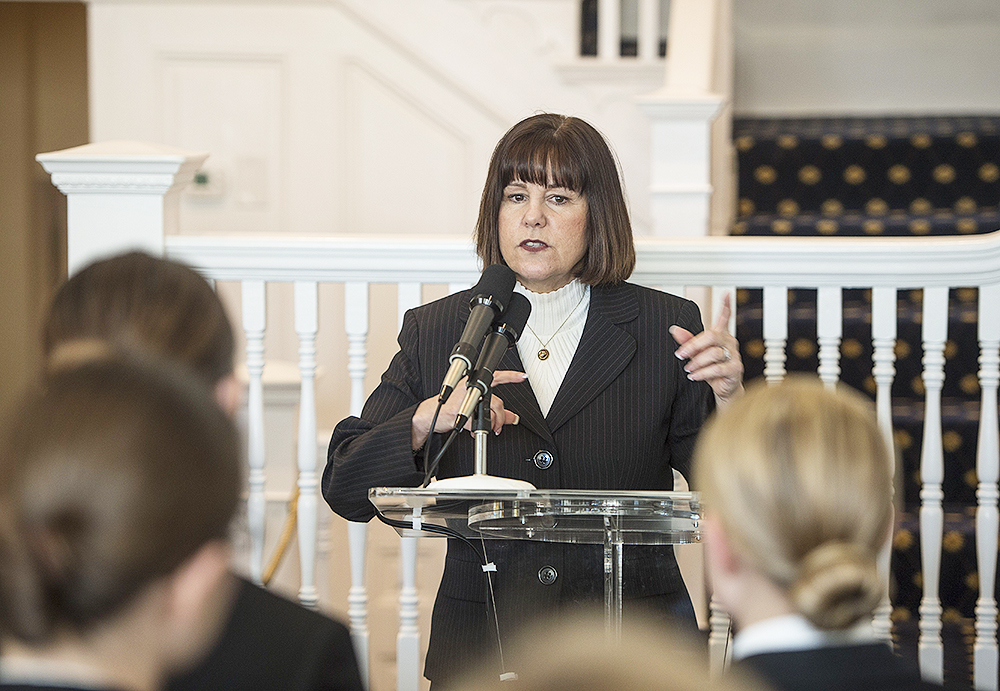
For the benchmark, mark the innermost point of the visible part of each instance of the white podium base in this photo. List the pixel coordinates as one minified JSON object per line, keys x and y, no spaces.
{"x":479,"y":481}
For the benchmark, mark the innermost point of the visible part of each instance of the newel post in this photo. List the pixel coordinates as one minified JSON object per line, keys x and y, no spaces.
{"x":120,"y":195}
{"x":681,"y":154}
{"x":692,"y":175}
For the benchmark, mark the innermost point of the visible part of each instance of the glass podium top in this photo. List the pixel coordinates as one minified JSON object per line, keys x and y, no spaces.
{"x":548,"y":515}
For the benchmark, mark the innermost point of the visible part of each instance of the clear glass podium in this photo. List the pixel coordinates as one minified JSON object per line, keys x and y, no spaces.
{"x":610,"y":518}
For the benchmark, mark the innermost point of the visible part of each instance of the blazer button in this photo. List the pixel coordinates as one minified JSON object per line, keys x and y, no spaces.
{"x":543,"y":459}
{"x":547,"y":575}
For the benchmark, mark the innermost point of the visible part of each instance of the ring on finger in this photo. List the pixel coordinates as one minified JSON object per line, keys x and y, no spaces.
{"x":726,"y":355}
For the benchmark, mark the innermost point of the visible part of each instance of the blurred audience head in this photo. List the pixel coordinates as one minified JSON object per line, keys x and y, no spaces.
{"x":146,"y":304}
{"x":577,"y":653}
{"x":118,"y":481}
{"x":796,"y":481}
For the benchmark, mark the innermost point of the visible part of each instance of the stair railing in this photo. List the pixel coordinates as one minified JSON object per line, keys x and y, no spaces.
{"x":829,"y":265}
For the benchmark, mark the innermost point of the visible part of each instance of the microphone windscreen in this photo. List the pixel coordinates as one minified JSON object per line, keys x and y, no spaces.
{"x":497,"y":282}
{"x":516,"y":314}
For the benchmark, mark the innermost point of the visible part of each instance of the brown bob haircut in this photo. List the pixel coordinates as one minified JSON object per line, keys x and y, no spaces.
{"x":111,"y":477}
{"x":140,"y":302}
{"x":562,"y":151}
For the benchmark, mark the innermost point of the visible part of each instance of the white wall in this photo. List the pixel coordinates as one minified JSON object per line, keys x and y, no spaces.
{"x":867,"y":56}
{"x":347,"y":116}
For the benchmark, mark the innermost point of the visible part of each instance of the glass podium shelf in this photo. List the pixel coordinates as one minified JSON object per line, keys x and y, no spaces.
{"x":573,"y":516}
{"x":610,"y":518}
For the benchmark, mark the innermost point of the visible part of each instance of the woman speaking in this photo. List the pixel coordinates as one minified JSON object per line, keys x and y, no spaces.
{"x":607,"y":389}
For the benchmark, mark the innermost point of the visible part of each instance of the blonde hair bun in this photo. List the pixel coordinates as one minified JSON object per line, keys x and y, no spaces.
{"x":837,"y":584}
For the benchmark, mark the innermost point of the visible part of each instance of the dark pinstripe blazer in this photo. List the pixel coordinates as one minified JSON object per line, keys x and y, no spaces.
{"x":273,"y":644}
{"x":624,"y":416}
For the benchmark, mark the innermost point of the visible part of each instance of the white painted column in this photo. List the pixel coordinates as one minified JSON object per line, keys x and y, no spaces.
{"x":408,"y":636}
{"x":609,"y":30}
{"x":408,"y":677}
{"x":680,"y":155}
{"x":884,"y":371}
{"x":649,"y":30}
{"x":884,"y":356}
{"x":408,"y":296}
{"x":254,"y":313}
{"x":719,"y":294}
{"x":829,"y":330}
{"x":120,"y":195}
{"x":696,"y":91}
{"x":775,"y":303}
{"x":719,"y":626}
{"x":306,"y":326}
{"x":985,"y":651}
{"x":930,"y":648}
{"x":356,"y":326}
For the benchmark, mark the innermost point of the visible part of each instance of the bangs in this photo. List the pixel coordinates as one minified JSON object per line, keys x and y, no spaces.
{"x":544,"y":159}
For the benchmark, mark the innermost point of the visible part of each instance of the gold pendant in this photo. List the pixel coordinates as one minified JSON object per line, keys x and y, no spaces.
{"x":543,"y":354}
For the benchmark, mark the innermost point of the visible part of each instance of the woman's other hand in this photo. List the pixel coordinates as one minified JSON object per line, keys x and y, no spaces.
{"x":499,"y":416}
{"x":713,"y":356}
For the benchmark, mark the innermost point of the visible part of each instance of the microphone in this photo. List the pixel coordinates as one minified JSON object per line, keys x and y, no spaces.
{"x":489,"y":298}
{"x":503,"y":335}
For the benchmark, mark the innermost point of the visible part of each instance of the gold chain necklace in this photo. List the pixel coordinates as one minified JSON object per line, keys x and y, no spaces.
{"x":543,"y":353}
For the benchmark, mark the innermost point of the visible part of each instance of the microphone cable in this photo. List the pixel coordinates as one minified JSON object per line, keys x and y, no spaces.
{"x":426,"y":448}
{"x":488,"y":569}
{"x":432,"y":468}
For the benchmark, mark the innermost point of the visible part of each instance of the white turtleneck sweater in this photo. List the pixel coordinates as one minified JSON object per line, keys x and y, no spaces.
{"x":557,"y":320}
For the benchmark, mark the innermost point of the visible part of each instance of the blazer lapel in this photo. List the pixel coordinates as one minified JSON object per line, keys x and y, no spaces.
{"x":518,"y":398}
{"x":605,"y":350}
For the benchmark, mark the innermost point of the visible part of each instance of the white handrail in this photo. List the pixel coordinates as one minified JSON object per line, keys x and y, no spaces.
{"x":967,"y":261}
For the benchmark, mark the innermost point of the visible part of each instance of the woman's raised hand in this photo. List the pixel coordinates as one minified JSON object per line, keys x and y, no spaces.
{"x":713,"y":356}
{"x":499,"y":416}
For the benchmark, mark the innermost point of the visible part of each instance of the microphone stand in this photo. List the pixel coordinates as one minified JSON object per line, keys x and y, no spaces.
{"x":481,"y":430}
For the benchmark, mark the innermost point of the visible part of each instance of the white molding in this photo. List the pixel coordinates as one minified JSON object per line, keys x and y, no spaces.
{"x":744,"y":261}
{"x":384,"y":259}
{"x":121,"y":167}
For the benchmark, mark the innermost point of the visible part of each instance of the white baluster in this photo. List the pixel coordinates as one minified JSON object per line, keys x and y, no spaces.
{"x":408,"y":637}
{"x":609,"y":30}
{"x":306,"y":325}
{"x":718,"y":295}
{"x":930,"y":649}
{"x":829,"y":329}
{"x":254,"y":318}
{"x":356,"y":322}
{"x":458,"y":286}
{"x":356,"y":326}
{"x":775,"y":332}
{"x":407,"y":297}
{"x":719,"y":625}
{"x":884,"y":356}
{"x":884,"y":371}
{"x":985,"y":651}
{"x":649,"y":30}
{"x":357,"y":596}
